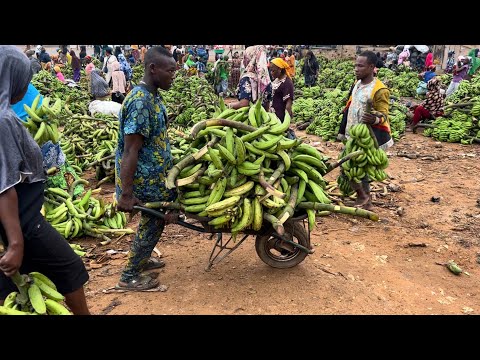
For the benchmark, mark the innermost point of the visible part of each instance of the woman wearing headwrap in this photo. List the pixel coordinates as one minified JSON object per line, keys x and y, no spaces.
{"x":254,"y":82}
{"x":429,"y":60}
{"x":282,"y":88}
{"x":45,"y":59}
{"x":76,"y":66}
{"x":32,"y":244}
{"x":190,"y":62}
{"x":433,"y":103}
{"x":310,"y":69}
{"x":90,"y":65}
{"x":425,"y":77}
{"x":99,"y":87}
{"x":125,"y":67}
{"x":404,"y":56}
{"x":119,"y":83}
{"x":88,"y":70}
{"x":190,"y":65}
{"x":290,"y":60}
{"x":60,"y":76}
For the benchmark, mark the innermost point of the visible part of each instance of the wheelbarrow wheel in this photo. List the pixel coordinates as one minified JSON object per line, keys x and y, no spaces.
{"x":279,"y":254}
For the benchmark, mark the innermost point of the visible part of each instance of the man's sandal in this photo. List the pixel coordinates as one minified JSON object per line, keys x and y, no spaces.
{"x":139,"y":283}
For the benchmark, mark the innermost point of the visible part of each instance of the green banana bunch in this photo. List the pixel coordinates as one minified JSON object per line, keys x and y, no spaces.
{"x":83,"y":216}
{"x":372,"y":162}
{"x":36,"y":295}
{"x":42,"y":121}
{"x":234,"y":171}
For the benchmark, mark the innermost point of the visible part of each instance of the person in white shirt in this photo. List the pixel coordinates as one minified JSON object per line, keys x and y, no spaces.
{"x":107,"y":64}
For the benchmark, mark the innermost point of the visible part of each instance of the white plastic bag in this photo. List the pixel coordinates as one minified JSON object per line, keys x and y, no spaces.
{"x":104,"y":107}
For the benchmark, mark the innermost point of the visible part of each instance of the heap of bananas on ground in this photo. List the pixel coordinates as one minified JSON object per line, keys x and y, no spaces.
{"x":404,"y":82}
{"x":42,"y":121}
{"x":83,"y":216}
{"x":137,"y":73}
{"x":242,"y":171}
{"x":76,"y":98}
{"x":189,"y":100}
{"x":328,"y":115}
{"x":36,"y":295}
{"x":338,"y":73}
{"x":458,"y":127}
{"x":371,"y":161}
{"x":312,"y":92}
{"x":397,"y":117}
{"x":467,"y":91}
{"x":91,"y":141}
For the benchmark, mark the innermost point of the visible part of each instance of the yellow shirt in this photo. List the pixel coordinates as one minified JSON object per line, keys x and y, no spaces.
{"x":69,"y":58}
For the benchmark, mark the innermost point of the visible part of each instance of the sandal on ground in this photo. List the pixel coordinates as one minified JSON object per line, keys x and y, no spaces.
{"x":367,"y":205}
{"x":153,"y":263}
{"x":139,"y":283}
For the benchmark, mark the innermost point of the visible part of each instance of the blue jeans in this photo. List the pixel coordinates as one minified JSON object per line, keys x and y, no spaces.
{"x":222,"y":87}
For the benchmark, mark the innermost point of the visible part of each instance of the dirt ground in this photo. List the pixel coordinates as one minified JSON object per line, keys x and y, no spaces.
{"x":358,"y":267}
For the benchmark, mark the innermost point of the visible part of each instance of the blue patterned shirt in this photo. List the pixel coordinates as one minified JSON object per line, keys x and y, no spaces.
{"x":143,"y":113}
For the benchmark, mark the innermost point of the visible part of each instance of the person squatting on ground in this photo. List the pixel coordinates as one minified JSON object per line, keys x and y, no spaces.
{"x":32,"y":243}
{"x":143,"y":159}
{"x":433,"y":103}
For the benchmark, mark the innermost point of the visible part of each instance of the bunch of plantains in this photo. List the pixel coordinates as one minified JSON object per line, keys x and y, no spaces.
{"x":76,"y":99}
{"x":36,"y":295}
{"x":242,"y":172}
{"x":371,"y":160}
{"x":83,"y":216}
{"x":42,"y":121}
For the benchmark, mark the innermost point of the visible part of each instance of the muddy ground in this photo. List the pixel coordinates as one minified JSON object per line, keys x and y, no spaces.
{"x":358,"y":267}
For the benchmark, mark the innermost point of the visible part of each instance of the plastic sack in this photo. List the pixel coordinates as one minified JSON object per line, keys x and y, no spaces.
{"x":104,"y":107}
{"x":422,"y":88}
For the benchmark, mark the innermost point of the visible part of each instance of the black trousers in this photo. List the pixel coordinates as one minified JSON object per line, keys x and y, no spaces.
{"x":47,"y":252}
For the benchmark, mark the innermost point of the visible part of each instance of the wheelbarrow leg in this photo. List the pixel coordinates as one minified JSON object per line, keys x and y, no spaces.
{"x":215,"y":258}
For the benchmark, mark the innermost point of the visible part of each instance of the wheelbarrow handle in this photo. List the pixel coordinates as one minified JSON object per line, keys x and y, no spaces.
{"x":161,"y":215}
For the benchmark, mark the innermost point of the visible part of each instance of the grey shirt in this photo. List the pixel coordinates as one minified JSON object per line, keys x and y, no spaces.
{"x":20,"y":157}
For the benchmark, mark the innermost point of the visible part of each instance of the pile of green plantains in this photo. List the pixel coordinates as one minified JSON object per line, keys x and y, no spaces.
{"x":240,"y":172}
{"x":76,"y":98}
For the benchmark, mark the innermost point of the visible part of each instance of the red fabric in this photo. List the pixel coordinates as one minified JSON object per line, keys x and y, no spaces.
{"x":428,"y":60}
{"x":419,"y":114}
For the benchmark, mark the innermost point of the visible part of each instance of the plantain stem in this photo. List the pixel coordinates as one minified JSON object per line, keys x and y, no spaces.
{"x":339,"y":209}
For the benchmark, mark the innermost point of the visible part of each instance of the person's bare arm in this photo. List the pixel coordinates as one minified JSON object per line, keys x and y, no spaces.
{"x":288,"y":107}
{"x":12,"y":260}
{"x":238,"y":104}
{"x":133,"y":144}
